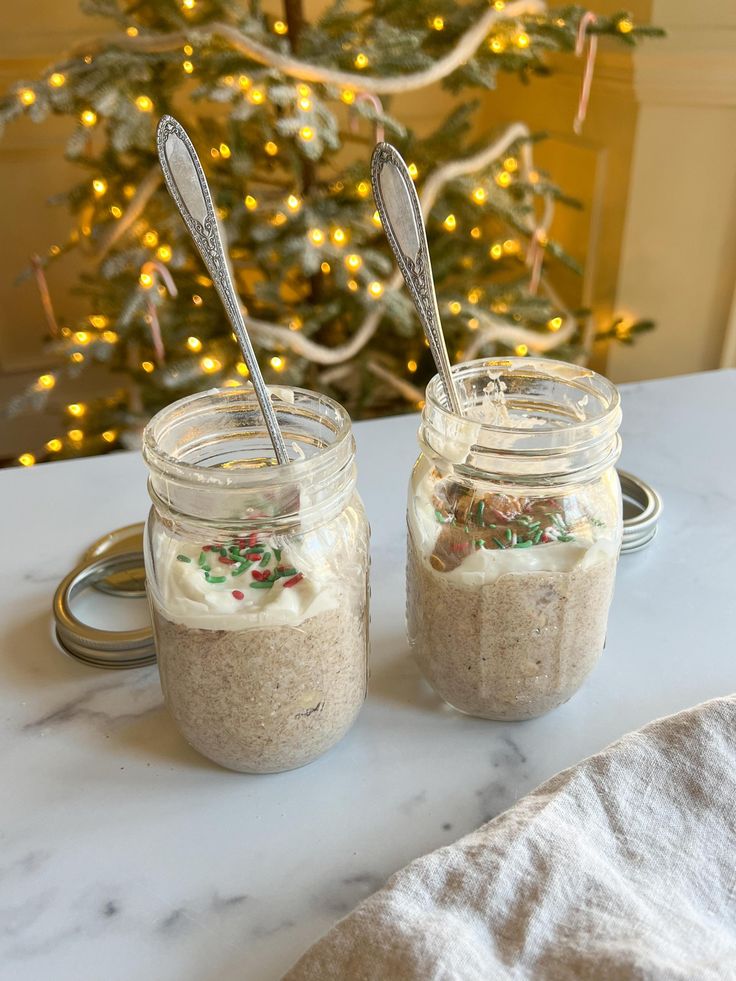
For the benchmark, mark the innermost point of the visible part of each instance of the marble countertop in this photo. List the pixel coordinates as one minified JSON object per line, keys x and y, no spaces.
{"x":123,"y":854}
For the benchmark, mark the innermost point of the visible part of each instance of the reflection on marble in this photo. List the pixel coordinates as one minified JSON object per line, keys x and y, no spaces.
{"x":100,"y":703}
{"x":126,"y":855}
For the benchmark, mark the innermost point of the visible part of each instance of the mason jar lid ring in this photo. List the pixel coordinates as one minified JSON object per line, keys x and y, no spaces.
{"x":640,"y":527}
{"x":95,"y":645}
{"x":128,"y":583}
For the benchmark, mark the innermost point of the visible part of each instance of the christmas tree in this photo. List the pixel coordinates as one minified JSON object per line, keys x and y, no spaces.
{"x":272,"y":103}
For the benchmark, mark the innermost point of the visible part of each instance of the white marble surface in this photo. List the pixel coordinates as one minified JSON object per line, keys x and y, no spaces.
{"x":125,"y":855}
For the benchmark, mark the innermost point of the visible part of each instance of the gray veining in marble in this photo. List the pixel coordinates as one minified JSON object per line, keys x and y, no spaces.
{"x":123,"y":854}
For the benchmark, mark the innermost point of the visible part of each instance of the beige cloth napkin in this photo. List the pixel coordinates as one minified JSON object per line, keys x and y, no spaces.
{"x":622,"y":867}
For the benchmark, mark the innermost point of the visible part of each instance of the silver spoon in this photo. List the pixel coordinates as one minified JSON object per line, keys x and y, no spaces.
{"x":401,"y":217}
{"x":188,"y":187}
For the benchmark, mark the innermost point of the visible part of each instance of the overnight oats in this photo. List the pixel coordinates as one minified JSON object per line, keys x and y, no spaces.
{"x":257,"y":577}
{"x":514,"y":529}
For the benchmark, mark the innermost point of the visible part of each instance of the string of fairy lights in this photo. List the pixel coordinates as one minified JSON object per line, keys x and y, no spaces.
{"x":332,"y":240}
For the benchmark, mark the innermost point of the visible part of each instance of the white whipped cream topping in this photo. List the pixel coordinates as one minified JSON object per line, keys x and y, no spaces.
{"x":485,"y":565}
{"x":187,"y":598}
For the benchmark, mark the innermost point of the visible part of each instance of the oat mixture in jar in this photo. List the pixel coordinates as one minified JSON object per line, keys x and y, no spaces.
{"x":514,"y":529}
{"x":257,"y":577}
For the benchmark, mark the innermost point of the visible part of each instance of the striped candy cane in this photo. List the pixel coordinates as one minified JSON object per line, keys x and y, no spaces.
{"x":378,"y":106}
{"x":585,"y":22}
{"x":153,"y":266}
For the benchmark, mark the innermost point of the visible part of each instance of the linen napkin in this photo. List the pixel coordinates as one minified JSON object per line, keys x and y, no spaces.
{"x":622,"y":867}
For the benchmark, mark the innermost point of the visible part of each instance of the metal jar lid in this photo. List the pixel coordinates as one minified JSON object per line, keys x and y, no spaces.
{"x":130,"y":582}
{"x":642,"y":510}
{"x":94,"y":645}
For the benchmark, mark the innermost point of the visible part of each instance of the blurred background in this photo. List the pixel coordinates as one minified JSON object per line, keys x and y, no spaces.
{"x":655,"y":238}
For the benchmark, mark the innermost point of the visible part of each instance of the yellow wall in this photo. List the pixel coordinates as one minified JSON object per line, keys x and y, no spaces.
{"x":592,"y":167}
{"x":32,"y":168}
{"x":679,"y":255}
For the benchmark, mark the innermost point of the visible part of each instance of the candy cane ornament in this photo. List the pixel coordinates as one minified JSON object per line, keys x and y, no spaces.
{"x":539,"y":239}
{"x":380,"y":132}
{"x":43,"y":288}
{"x":153,"y":266}
{"x":584,"y":34}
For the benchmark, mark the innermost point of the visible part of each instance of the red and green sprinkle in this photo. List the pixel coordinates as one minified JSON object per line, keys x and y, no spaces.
{"x":239,"y":556}
{"x":497,"y":520}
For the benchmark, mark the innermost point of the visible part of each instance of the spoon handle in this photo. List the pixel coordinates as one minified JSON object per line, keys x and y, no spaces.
{"x":401,"y":217}
{"x":188,"y":187}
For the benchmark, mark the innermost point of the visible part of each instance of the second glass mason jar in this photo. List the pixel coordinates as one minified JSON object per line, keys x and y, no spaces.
{"x":257,"y":576}
{"x":514,"y":530}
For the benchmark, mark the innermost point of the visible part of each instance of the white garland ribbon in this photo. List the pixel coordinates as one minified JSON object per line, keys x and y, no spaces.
{"x":467,"y":45}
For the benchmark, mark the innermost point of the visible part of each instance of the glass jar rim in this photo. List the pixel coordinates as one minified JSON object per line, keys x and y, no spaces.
{"x":575,"y":415}
{"x":536,"y":367}
{"x":244,"y":399}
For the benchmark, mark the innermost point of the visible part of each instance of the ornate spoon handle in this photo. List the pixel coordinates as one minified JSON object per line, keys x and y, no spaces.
{"x":188,"y":187}
{"x":401,"y":217}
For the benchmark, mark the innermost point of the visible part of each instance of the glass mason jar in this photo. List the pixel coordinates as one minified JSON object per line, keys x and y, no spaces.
{"x":257,"y":576}
{"x":514,"y":529}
